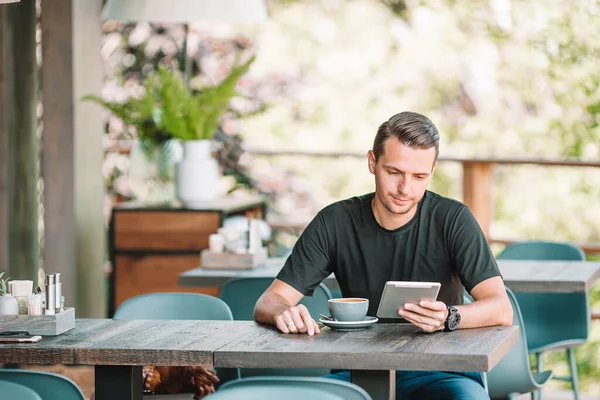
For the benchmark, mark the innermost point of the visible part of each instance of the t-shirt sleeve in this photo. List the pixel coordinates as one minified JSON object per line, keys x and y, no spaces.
{"x":469,"y":250}
{"x":309,"y":262}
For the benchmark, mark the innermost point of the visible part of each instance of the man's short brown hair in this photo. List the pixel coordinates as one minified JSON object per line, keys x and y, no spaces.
{"x":411,"y":129}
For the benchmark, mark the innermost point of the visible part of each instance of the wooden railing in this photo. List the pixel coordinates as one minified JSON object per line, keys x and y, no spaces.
{"x":478,"y":182}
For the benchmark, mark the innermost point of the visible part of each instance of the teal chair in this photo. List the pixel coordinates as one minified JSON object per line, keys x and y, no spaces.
{"x":512,"y":375}
{"x":45,"y":385}
{"x":289,"y":388}
{"x":553,"y":320}
{"x":174,"y":306}
{"x":188,"y":306}
{"x":10,"y":390}
{"x":241,"y":295}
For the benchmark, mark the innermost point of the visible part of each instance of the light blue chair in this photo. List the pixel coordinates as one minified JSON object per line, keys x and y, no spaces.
{"x":241,"y":295}
{"x":10,"y":390}
{"x":553,"y":320}
{"x":187,"y":306}
{"x":45,"y":385}
{"x":512,"y":375}
{"x":174,"y":306}
{"x":289,"y":388}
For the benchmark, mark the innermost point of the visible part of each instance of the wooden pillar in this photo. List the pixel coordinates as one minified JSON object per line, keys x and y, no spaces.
{"x":18,"y":141}
{"x":4,"y":162}
{"x":478,"y":193}
{"x":72,"y":152}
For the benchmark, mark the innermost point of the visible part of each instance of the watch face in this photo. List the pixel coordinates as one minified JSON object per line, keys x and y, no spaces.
{"x":453,"y":319}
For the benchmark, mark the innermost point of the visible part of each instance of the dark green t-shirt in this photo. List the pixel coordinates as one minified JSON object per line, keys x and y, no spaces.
{"x":441,"y":243}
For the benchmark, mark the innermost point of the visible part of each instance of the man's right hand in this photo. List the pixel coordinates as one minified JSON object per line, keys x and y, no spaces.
{"x":279,"y":306}
{"x":296,"y":319}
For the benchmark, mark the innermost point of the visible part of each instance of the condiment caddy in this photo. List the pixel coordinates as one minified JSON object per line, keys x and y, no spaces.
{"x":37,"y":312}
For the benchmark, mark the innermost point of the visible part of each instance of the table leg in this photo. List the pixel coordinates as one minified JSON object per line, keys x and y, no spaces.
{"x":118,"y":382}
{"x":380,"y":384}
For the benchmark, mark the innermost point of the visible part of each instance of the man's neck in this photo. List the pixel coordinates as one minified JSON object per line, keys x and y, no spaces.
{"x":389,"y":220}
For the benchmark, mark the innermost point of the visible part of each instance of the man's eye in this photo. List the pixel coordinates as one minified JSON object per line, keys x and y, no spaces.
{"x":393,"y":172}
{"x":420,"y":178}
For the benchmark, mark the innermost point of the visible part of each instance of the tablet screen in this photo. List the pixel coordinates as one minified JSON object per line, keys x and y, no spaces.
{"x":397,"y":293}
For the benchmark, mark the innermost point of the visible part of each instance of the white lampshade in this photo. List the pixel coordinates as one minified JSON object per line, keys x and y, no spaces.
{"x":185,"y":11}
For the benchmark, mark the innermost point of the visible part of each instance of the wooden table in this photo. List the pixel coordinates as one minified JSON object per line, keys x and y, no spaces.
{"x":372,"y":355}
{"x":119,"y":349}
{"x":520,"y":276}
{"x":549,"y":276}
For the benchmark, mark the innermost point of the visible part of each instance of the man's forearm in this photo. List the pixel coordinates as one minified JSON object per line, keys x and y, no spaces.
{"x":268,"y":306}
{"x":490,"y":311}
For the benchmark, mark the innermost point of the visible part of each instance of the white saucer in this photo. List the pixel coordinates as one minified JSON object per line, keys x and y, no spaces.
{"x":346,"y":326}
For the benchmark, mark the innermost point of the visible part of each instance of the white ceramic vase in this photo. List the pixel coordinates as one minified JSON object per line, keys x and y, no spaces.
{"x":152,"y":171}
{"x":8,"y":305}
{"x":197,"y":173}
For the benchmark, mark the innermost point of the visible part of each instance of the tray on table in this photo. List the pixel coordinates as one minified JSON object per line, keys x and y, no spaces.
{"x":43,"y":325}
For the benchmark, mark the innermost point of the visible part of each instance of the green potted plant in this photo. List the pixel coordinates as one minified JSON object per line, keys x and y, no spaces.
{"x":170,"y":109}
{"x":193,"y":117}
{"x":8,"y":304}
{"x":153,"y":157}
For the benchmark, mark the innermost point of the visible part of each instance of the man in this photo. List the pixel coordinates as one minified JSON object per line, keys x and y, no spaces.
{"x":401,"y":232}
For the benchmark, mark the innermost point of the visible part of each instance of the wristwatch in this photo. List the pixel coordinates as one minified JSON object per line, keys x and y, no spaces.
{"x":452,"y":320}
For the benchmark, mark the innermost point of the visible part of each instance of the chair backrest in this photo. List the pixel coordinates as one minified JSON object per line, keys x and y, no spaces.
{"x":512,"y":374}
{"x":539,"y":310}
{"x":174,"y":306}
{"x":46,"y":385}
{"x":241,"y":295}
{"x":11,"y":390}
{"x":542,"y":250}
{"x":290,"y":388}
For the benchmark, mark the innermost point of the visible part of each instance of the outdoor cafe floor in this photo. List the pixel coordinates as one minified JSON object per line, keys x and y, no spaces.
{"x":84,"y":377}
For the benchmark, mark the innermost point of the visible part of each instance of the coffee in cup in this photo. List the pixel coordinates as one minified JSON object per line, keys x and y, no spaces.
{"x":348,"y":308}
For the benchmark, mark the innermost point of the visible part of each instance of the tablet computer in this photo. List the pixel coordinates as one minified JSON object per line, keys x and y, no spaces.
{"x":397,"y":293}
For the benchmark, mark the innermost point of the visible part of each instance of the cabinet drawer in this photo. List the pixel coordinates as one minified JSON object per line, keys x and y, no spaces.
{"x":164,"y":230}
{"x":137,"y":274}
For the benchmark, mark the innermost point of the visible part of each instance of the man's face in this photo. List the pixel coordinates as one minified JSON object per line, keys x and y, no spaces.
{"x":402,"y":174}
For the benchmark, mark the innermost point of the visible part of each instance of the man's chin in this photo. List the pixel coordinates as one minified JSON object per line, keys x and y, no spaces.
{"x":398,"y":210}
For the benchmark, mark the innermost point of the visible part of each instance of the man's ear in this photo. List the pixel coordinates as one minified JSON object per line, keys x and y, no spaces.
{"x":434,"y":168}
{"x":372,"y":162}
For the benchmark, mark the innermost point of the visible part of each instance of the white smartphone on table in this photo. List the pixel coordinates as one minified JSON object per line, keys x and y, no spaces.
{"x":20,"y":339}
{"x":397,"y":293}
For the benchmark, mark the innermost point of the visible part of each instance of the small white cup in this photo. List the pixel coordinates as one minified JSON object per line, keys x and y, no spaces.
{"x":216,"y":243}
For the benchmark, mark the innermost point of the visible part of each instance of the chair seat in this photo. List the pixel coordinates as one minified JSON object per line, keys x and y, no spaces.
{"x":542,"y":377}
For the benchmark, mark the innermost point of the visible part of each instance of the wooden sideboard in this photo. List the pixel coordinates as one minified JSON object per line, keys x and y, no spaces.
{"x":150,"y":246}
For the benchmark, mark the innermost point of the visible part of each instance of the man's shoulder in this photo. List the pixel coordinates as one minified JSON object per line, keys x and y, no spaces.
{"x":437,"y":203}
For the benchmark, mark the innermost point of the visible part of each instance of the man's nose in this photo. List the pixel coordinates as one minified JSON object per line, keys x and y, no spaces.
{"x":404,"y":185}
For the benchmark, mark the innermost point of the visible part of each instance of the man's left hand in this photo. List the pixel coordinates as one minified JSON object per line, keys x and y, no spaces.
{"x":430,"y":316}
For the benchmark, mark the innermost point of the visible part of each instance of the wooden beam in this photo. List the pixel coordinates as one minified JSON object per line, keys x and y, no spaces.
{"x":477,"y":192}
{"x":18,"y":185}
{"x":5,"y":81}
{"x":73,"y":155}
